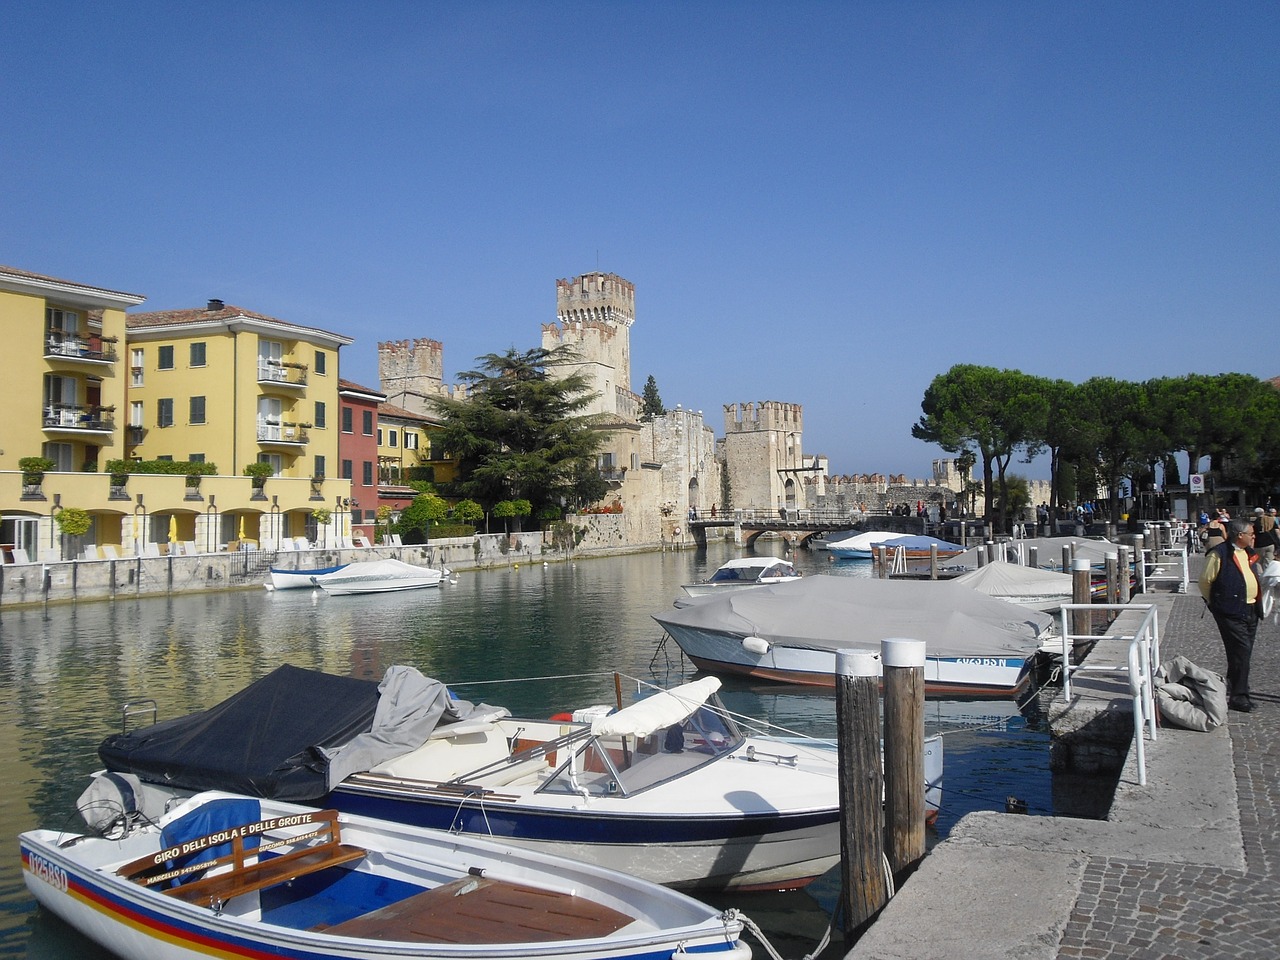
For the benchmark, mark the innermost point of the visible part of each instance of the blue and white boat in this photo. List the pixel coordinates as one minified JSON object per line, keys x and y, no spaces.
{"x":284,"y":578}
{"x":222,"y":875}
{"x":913,"y":546}
{"x":669,"y":788}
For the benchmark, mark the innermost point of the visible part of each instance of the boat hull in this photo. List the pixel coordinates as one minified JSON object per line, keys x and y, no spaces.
{"x":285,"y":579}
{"x":779,"y":851}
{"x":953,"y":676}
{"x":80,"y":885}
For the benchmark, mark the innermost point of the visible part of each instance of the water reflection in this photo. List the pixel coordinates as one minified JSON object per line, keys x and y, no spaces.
{"x":65,"y":674}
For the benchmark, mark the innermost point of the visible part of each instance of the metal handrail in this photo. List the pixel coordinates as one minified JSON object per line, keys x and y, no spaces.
{"x":1143,"y":658}
{"x":1158,"y":559}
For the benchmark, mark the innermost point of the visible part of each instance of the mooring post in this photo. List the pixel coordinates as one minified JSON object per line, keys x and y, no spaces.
{"x":1033,"y":556}
{"x":1081,"y":592}
{"x":1067,"y":556}
{"x":933,"y":561}
{"x":903,"y":750}
{"x":1113,"y":583}
{"x":865,"y":888}
{"x":1122,"y":594}
{"x":1140,"y":559}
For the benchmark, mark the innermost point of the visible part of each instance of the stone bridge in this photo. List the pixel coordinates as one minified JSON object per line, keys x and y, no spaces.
{"x":798,"y":527}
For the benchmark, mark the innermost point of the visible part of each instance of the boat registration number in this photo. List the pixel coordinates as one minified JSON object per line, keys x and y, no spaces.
{"x":50,"y":873}
{"x":982,"y":661}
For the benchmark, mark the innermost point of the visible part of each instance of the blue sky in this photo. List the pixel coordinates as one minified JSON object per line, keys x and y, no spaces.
{"x":819,"y":203}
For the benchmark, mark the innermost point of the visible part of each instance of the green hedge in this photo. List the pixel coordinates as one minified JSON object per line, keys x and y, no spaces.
{"x":175,"y":468}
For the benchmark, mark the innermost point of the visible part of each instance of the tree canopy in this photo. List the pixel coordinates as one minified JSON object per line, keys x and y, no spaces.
{"x":521,"y":432}
{"x":652,"y":403}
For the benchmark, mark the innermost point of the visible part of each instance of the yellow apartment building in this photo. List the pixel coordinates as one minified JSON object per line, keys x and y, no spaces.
{"x":224,"y":385}
{"x":87,"y":384}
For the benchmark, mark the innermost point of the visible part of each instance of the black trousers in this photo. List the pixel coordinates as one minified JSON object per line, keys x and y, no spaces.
{"x":1238,"y":634}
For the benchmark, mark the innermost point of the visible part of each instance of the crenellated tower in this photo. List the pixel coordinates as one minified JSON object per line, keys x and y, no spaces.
{"x":594,"y":314}
{"x":410,"y":371}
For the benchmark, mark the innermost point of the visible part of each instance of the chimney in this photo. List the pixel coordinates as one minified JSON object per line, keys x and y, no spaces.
{"x":214,"y":305}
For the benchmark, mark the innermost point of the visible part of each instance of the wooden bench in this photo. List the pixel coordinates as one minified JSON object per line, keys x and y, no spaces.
{"x":303,"y":856}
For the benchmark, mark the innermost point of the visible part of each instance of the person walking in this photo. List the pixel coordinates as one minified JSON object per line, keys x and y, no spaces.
{"x":1264,"y":525}
{"x":1229,"y":585}
{"x":1215,"y":531}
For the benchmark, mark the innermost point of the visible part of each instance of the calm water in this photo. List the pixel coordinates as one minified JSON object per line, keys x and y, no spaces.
{"x":64,"y":677}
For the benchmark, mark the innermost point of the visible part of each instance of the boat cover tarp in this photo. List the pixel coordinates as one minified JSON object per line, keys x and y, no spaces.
{"x":1048,"y":551}
{"x":833,"y":613}
{"x":278,"y":737}
{"x":660,"y":710}
{"x":388,"y":569}
{"x":1001,"y":579}
{"x":869,"y":541}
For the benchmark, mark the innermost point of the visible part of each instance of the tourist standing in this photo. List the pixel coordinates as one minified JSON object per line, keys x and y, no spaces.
{"x":1229,"y":585}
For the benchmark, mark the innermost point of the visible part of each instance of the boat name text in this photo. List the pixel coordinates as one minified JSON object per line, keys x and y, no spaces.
{"x":983,"y":661}
{"x":50,"y":873}
{"x":226,"y":836}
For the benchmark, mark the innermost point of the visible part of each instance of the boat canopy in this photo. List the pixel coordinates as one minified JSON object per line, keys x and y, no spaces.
{"x":1015,"y":580}
{"x":831,"y":613}
{"x":658,"y":711}
{"x":1048,"y":551}
{"x":292,"y":735}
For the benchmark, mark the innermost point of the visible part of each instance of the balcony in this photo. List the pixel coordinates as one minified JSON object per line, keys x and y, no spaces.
{"x":283,"y":433}
{"x":136,"y":434}
{"x":69,"y":346}
{"x":282,"y":373}
{"x":77,"y":420}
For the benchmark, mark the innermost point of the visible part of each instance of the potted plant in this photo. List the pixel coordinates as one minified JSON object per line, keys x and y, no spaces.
{"x":74,"y":523}
{"x":321,"y":516}
{"x":33,"y":471}
{"x":259,"y":471}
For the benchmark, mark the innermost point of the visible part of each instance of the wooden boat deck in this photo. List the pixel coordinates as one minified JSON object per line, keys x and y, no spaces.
{"x":484,"y":910}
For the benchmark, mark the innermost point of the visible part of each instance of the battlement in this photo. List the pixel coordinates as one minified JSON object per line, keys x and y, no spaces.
{"x":764,"y":415}
{"x":600,"y":297}
{"x":409,"y":370}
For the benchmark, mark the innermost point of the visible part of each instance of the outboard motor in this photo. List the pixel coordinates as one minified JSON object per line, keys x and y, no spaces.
{"x":114,"y":803}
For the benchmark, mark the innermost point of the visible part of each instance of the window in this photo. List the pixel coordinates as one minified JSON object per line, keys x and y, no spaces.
{"x":197,"y":410}
{"x":135,"y":364}
{"x":319,"y":467}
{"x":379,"y":436}
{"x":410,"y":441}
{"x":320,"y":415}
{"x":348,"y":418}
{"x":60,"y":454}
{"x":391,"y":438}
{"x":197,"y":354}
{"x":366,"y":423}
{"x":164,"y":359}
{"x":166,"y":457}
{"x":346,"y":469}
{"x":195,"y":457}
{"x":366,"y":473}
{"x":58,"y":320}
{"x":135,"y":413}
{"x":164,"y":412}
{"x":321,"y":360}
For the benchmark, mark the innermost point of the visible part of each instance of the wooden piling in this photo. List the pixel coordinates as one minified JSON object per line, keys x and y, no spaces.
{"x":865,"y":888}
{"x":933,"y":561}
{"x":1122,"y":584}
{"x":903,"y":751}
{"x":1081,"y":592}
{"x":1033,"y":556}
{"x":1140,"y":561}
{"x":1113,"y":582}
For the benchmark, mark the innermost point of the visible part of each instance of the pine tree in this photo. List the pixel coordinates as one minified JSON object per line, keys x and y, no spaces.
{"x":652,"y":406}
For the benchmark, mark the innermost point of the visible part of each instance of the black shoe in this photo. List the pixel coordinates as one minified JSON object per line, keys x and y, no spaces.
{"x":1242,"y":704}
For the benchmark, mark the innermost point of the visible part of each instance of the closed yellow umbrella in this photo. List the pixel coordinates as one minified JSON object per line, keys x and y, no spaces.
{"x":240,"y":535}
{"x":173,"y":528}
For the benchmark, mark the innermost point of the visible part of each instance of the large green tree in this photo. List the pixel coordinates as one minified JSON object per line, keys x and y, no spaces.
{"x":521,"y":432}
{"x":996,"y":412}
{"x":651,"y":406}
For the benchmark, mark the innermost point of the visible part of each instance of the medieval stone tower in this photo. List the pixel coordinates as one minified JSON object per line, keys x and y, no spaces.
{"x":594,"y":314}
{"x":410,"y":371}
{"x":762,"y":454}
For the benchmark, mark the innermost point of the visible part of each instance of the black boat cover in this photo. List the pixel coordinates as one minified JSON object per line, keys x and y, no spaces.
{"x":265,"y":741}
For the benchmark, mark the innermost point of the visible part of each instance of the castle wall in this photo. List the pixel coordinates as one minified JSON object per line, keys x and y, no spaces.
{"x":763,"y":456}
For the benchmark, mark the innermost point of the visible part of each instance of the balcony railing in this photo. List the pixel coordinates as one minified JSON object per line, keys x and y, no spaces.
{"x":63,"y":416}
{"x":282,"y":372}
{"x":75,"y":347}
{"x":282,"y":432}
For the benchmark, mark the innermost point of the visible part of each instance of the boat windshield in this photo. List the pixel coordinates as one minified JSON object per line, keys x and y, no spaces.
{"x":624,"y":765}
{"x":736,"y":574}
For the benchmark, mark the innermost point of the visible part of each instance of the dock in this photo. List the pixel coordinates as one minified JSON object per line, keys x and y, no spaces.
{"x":1186,"y":866}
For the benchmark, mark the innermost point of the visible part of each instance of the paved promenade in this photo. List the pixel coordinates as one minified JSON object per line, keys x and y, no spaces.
{"x":1187,"y":866}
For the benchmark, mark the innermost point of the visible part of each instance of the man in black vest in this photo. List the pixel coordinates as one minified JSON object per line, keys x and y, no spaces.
{"x":1229,"y":584}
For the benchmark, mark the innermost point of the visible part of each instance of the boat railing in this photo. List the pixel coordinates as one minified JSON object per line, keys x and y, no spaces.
{"x":1141,"y":662}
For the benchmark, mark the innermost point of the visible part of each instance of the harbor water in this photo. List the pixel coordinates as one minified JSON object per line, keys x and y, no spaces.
{"x":67,"y":672}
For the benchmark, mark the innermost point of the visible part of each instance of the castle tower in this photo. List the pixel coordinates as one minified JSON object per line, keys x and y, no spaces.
{"x":410,"y":371}
{"x":763,"y":454}
{"x":594,"y":314}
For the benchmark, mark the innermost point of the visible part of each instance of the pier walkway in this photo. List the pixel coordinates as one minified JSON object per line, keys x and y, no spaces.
{"x":1187,"y":866}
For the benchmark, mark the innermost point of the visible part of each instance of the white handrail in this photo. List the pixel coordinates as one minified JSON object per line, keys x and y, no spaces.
{"x":1141,"y":664}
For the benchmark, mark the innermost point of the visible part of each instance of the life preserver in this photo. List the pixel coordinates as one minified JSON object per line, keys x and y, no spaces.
{"x":562,"y":718}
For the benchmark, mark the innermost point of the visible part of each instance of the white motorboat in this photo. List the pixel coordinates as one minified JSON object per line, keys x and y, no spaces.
{"x":378,"y":576}
{"x":669,"y":788}
{"x":283,"y":578}
{"x":790,"y":632}
{"x":231,"y":876}
{"x":741,"y":573}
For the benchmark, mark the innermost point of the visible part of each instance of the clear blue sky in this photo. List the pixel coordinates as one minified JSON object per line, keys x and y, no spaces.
{"x":819,"y":203}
